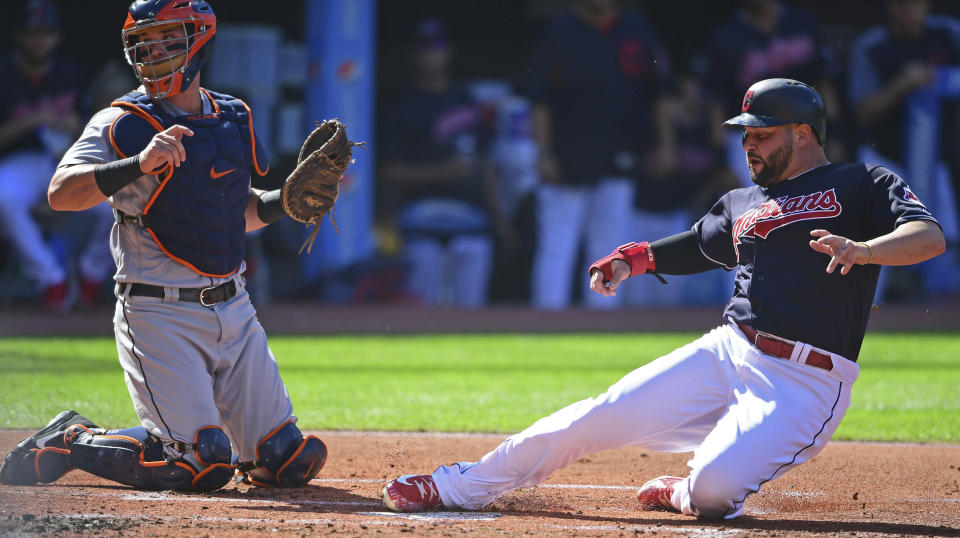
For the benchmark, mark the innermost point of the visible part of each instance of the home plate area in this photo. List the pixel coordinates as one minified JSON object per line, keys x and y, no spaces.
{"x":854,"y":489}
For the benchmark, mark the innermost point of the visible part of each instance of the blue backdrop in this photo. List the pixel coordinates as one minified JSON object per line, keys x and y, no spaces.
{"x":341,"y":45}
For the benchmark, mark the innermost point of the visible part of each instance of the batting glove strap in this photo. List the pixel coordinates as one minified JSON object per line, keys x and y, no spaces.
{"x":638,"y":255}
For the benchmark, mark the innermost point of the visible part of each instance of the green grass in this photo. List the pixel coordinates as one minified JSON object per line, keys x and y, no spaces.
{"x":909,"y":387}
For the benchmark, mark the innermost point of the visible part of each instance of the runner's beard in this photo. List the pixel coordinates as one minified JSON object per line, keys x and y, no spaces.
{"x":773,"y":166}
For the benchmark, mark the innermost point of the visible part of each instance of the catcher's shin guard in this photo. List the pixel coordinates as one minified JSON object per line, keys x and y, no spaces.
{"x":135,"y":458}
{"x":286,"y":459}
{"x":42,"y":457}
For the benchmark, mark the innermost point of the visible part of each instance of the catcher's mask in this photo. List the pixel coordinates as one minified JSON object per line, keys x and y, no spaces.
{"x":167,"y":41}
{"x":778,"y":101}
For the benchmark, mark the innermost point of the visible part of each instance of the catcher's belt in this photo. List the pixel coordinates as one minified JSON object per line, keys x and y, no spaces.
{"x":206,"y":296}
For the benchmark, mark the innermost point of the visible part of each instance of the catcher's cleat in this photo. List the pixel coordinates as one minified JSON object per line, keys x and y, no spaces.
{"x":411,"y":493}
{"x":21,"y":466}
{"x":656,"y":494}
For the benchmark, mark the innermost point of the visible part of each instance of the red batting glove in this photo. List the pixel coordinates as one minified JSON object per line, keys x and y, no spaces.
{"x":638,"y":255}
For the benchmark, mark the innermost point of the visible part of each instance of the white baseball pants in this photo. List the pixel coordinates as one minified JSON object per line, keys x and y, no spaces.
{"x":748,"y":418}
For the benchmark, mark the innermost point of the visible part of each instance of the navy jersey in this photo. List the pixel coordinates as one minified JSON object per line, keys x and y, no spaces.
{"x":425,"y":128}
{"x":740,"y":54}
{"x":697,"y":161}
{"x":878,"y":58}
{"x":59,"y":90}
{"x":782,"y":286}
{"x":600,"y":86}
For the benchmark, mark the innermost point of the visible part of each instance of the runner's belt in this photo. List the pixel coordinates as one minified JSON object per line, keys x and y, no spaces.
{"x":785,"y":349}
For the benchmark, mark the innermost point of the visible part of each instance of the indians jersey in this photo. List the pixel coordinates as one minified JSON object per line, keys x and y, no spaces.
{"x":782,"y":286}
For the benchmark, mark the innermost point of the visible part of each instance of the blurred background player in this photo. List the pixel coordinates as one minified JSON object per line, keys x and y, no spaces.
{"x":599,"y":74}
{"x":668,"y":202}
{"x":888,"y":65}
{"x":433,"y":149}
{"x":512,"y":177}
{"x":39,"y":116}
{"x":767,"y":39}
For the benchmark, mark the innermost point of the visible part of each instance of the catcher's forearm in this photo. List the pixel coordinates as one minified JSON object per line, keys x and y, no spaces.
{"x":113,"y":176}
{"x":270,"y":206}
{"x":74,"y":188}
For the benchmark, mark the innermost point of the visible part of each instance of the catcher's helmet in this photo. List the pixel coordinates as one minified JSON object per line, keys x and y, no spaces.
{"x":170,"y":74}
{"x":778,"y":101}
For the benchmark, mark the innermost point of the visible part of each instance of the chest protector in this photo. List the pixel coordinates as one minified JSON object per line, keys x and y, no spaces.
{"x":197,"y":214}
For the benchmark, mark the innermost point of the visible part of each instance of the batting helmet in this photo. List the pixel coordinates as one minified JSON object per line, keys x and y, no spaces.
{"x":171,"y":73}
{"x":778,"y":101}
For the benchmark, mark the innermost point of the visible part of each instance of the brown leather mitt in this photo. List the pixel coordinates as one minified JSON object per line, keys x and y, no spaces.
{"x":311,"y":190}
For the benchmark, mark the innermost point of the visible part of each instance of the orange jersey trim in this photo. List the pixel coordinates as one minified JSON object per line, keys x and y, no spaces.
{"x":253,"y":141}
{"x":167,"y":172}
{"x":113,"y":141}
{"x":134,"y":109}
{"x":213,"y":102}
{"x":182,"y":261}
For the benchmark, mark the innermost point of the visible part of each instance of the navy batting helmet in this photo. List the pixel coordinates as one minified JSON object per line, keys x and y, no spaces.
{"x":778,"y":101}
{"x":188,"y":26}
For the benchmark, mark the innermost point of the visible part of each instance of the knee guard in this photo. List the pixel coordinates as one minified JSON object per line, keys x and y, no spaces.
{"x":135,"y":458}
{"x":286,"y":459}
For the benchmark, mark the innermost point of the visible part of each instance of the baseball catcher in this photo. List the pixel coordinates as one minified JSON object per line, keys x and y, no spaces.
{"x":312,"y":189}
{"x":175,"y":161}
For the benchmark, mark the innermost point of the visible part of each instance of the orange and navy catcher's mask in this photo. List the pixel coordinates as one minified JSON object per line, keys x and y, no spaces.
{"x":184,"y":31}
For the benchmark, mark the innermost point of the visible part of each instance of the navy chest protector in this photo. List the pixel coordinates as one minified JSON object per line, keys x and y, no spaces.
{"x":197,"y":214}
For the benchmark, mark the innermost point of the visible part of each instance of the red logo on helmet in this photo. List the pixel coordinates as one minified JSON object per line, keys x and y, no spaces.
{"x":747,"y":101}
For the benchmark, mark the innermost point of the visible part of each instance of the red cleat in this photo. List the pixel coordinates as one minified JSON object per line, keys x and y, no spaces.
{"x":90,"y":292}
{"x":56,"y":298}
{"x":411,"y":493}
{"x":655,"y":494}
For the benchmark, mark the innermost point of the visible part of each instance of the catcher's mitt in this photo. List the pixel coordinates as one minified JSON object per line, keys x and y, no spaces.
{"x":312,"y":189}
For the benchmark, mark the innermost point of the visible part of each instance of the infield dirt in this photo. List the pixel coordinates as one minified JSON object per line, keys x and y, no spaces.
{"x":851,"y":489}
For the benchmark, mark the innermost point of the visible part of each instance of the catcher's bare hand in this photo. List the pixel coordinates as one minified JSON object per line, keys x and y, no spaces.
{"x":621,"y":272}
{"x":165,"y":147}
{"x":842,"y":251}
